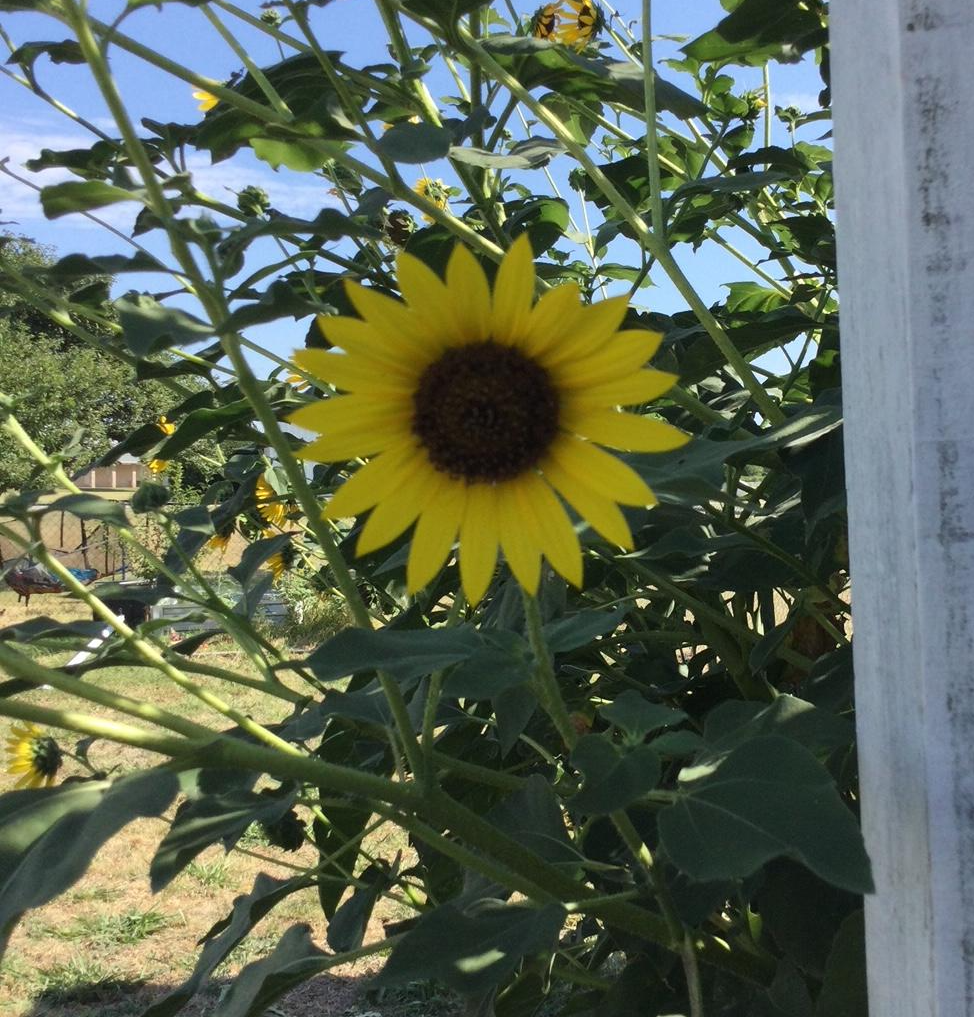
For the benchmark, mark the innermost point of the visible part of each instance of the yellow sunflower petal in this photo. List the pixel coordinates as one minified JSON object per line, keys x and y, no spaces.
{"x":624,"y":353}
{"x":597,"y":468}
{"x":557,"y":537}
{"x":522,"y":553}
{"x":378,"y":479}
{"x":426,"y":294}
{"x":392,"y":516}
{"x":478,"y":541}
{"x":557,"y":310}
{"x":434,"y":535}
{"x":353,"y":372}
{"x":471,"y":313}
{"x":360,"y":337}
{"x":601,"y":513}
{"x":587,"y":334}
{"x":626,"y":431}
{"x":357,"y":410}
{"x":513,"y":292}
{"x":29,"y":780}
{"x":390,"y":318}
{"x":637,"y":388}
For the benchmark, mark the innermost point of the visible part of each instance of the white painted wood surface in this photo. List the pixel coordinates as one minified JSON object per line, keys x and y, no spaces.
{"x":903,"y":84}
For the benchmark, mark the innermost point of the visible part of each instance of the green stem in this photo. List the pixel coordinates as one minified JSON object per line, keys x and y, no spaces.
{"x":544,"y":680}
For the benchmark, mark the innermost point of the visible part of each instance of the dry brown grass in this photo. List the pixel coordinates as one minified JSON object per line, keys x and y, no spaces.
{"x":108,"y":947}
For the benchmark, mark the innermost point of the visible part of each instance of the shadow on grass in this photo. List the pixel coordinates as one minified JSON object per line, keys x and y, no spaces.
{"x":323,"y":996}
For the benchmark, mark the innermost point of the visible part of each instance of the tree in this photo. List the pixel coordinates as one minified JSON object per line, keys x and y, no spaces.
{"x":68,"y":396}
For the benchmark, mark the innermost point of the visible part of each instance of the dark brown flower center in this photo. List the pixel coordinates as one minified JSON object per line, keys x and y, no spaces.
{"x":485,"y":412}
{"x":45,"y":756}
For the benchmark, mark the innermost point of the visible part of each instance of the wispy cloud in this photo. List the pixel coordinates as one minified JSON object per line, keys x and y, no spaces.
{"x":20,"y":141}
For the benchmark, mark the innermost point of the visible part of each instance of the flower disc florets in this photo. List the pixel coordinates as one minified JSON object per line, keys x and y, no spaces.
{"x":485,"y":412}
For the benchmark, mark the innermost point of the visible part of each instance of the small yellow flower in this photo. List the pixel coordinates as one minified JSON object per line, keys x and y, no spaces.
{"x":281,"y":562}
{"x":583,"y":22}
{"x":435,"y":190}
{"x":206,"y":100}
{"x":220,"y":540}
{"x":481,"y":413}
{"x":298,"y":381}
{"x":271,"y":509}
{"x":157,"y":466}
{"x":34,"y":755}
{"x":544,"y":21}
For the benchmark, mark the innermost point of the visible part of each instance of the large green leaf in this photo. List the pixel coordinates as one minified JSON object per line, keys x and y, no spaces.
{"x":768,"y":798}
{"x":201,"y":823}
{"x":503,"y":662}
{"x":406,"y":653}
{"x":148,"y":326}
{"x":471,"y":951}
{"x":614,"y":777}
{"x":844,"y":990}
{"x":48,"y":837}
{"x":414,"y":143}
{"x":82,"y":196}
{"x":637,"y":716}
{"x":533,"y":817}
{"x":293,"y":961}
{"x":758,"y":30}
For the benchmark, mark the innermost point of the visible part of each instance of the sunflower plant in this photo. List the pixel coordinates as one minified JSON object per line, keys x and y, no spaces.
{"x":598,"y":668}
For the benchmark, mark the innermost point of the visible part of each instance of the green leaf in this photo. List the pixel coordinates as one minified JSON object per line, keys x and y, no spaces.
{"x":80,"y":266}
{"x":758,"y":30}
{"x":577,"y":630}
{"x":81,"y":196}
{"x":201,"y":823}
{"x":226,"y":934}
{"x":414,"y":143}
{"x":614,"y":777}
{"x":346,"y":930}
{"x":471,"y":951}
{"x":90,"y":506}
{"x":300,"y":156}
{"x":148,"y":326}
{"x":844,"y":990}
{"x":637,"y":717}
{"x":66,"y":52}
{"x":768,"y":798}
{"x":735,"y":183}
{"x":406,"y":653}
{"x":294,"y":960}
{"x":202,"y":423}
{"x":734,"y":722}
{"x":533,"y":817}
{"x":532,"y":153}
{"x":505,"y":661}
{"x":47,"y":840}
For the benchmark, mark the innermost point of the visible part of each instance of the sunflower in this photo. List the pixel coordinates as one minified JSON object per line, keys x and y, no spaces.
{"x":283,"y":561}
{"x":435,"y":190}
{"x":206,"y":100}
{"x":167,"y":427}
{"x":34,"y":755}
{"x":583,"y":22}
{"x":221,"y":539}
{"x":271,"y":509}
{"x":478,"y":409}
{"x":544,"y":21}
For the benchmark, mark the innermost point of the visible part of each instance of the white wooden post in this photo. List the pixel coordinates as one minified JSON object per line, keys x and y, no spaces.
{"x":903,"y":79}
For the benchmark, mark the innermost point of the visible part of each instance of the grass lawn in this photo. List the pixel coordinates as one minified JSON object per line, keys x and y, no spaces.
{"x":109,"y":947}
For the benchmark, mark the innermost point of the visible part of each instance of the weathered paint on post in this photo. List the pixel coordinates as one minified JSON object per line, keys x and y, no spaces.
{"x":903,"y":79}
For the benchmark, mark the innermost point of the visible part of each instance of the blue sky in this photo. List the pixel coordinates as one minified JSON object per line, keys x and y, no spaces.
{"x":27,"y":124}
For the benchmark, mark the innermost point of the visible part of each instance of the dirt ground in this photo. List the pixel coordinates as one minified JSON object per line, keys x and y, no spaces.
{"x":109,"y":947}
